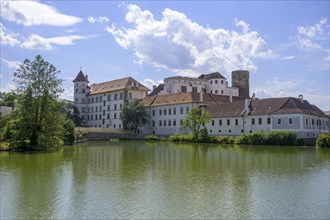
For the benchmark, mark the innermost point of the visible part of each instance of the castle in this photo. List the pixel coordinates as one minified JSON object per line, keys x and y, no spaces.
{"x":232,"y":109}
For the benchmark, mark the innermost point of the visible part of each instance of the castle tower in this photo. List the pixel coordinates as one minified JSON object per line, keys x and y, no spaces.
{"x":81,"y":89}
{"x":240,"y":79}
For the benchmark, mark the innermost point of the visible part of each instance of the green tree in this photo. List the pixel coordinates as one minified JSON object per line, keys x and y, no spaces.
{"x":8,"y":99}
{"x":195,"y":120}
{"x":72,"y":112}
{"x":134,"y":115}
{"x":41,"y":122}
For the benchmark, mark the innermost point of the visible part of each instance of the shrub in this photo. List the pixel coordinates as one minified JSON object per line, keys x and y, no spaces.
{"x":281,"y":138}
{"x":151,"y":138}
{"x":323,"y":140}
{"x":242,"y":140}
{"x":256,"y":138}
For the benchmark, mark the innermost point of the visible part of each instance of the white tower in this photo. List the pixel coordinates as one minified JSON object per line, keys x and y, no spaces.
{"x":81,"y":89}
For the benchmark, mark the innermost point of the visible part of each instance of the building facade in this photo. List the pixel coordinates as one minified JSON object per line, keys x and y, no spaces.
{"x":100,"y":104}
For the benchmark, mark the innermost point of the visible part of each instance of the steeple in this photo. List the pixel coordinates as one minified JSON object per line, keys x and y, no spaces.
{"x":81,"y":77}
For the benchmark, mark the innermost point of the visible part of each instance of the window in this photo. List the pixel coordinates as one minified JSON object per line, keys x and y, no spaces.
{"x":103,"y":112}
{"x":169,"y":111}
{"x":120,"y":106}
{"x":109,"y":97}
{"x":279,"y":121}
{"x":306,"y":121}
{"x":76,"y":90}
{"x":114,"y":125}
{"x":219,"y":131}
{"x":92,"y":109}
{"x":97,"y":99}
{"x":130,"y":95}
{"x":174,"y":122}
{"x":82,"y":117}
{"x":76,"y":100}
{"x":222,"y":81}
{"x":259,"y":121}
{"x":101,"y":99}
{"x":91,"y":117}
{"x":268,"y":121}
{"x":290,"y":121}
{"x":115,"y":106}
{"x":216,"y":91}
{"x":174,"y":111}
{"x":211,"y":82}
{"x":160,"y":123}
{"x":236,"y":121}
{"x":181,"y":121}
{"x":116,"y":97}
{"x":119,"y":125}
{"x":160,"y":112}
{"x":210,"y":131}
{"x":121,"y":95}
{"x":89,"y":100}
{"x":153,"y":112}
{"x":183,"y":88}
{"x":181,"y":110}
{"x":313,"y":121}
{"x":212,"y":122}
{"x":228,"y":121}
{"x":253,"y":121}
{"x":93,"y":100}
{"x":220,"y":122}
{"x":108,"y":107}
{"x":229,"y":131}
{"x":103,"y":121}
{"x":108,"y":116}
{"x":216,"y":81}
{"x":164,"y":123}
{"x":169,"y":122}
{"x":83,"y":90}
{"x":153,"y":123}
{"x":194,"y":89}
{"x":165,"y":112}
{"x":115,"y":115}
{"x":187,"y":110}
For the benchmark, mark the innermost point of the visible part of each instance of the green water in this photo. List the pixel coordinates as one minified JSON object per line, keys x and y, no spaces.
{"x":141,"y":180}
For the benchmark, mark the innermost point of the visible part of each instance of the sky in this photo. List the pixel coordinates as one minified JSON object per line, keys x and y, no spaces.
{"x":284,"y":44}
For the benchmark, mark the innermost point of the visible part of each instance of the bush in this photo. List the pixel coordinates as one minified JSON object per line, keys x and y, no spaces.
{"x":281,"y":138}
{"x":323,"y":140}
{"x":256,"y":138}
{"x":151,"y":138}
{"x":242,"y":140}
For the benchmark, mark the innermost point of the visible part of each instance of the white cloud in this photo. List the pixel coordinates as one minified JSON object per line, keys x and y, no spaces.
{"x":98,"y":20}
{"x":8,"y":87}
{"x":11,"y":64}
{"x":150,"y":82}
{"x":309,"y":38}
{"x":278,"y":88}
{"x":185,"y":47}
{"x":31,"y":13}
{"x":7,"y":39}
{"x":37,"y":42}
{"x":67,"y":93}
{"x":288,"y":58}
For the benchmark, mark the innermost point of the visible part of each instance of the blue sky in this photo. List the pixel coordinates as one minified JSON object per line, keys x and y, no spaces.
{"x":284,"y":44}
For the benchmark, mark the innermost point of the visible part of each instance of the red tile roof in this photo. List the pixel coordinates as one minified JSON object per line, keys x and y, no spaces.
{"x":80,"y":77}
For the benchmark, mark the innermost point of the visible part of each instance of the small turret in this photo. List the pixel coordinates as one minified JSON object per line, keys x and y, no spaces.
{"x":81,"y":89}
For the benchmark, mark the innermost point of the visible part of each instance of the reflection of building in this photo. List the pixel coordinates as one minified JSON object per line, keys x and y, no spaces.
{"x":100,"y":104}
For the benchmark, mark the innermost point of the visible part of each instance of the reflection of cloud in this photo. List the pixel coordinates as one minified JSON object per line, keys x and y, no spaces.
{"x":35,"y":13}
{"x":181,"y":45}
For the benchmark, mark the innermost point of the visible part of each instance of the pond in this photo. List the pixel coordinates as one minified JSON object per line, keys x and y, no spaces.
{"x":141,"y":180}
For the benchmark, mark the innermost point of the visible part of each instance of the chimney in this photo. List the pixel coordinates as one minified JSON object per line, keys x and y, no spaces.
{"x":153,"y":87}
{"x":301,"y":98}
{"x":230,"y":97}
{"x":201,"y":96}
{"x":86,"y":77}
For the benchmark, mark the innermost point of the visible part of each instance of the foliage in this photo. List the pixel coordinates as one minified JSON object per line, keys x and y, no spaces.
{"x":181,"y":138}
{"x":8,"y":99}
{"x":69,"y":135}
{"x":40,"y":122}
{"x":151,"y":138}
{"x":134,"y":115}
{"x":323,"y":140}
{"x":72,"y":112}
{"x":196,"y":118}
{"x":281,"y":138}
{"x":256,"y":138}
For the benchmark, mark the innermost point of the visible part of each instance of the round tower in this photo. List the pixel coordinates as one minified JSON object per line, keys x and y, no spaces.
{"x":81,"y":89}
{"x":240,"y":79}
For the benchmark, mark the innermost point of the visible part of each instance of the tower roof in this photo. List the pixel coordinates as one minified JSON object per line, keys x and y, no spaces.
{"x":80,"y":77}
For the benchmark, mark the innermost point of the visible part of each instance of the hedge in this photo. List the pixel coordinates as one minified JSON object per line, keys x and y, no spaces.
{"x":323,"y":140}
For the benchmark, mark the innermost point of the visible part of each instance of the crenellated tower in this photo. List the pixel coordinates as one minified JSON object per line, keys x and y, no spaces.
{"x":240,"y":79}
{"x":81,"y":89}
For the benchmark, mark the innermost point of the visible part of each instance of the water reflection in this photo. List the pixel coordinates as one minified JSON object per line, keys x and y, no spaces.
{"x":163,"y":180}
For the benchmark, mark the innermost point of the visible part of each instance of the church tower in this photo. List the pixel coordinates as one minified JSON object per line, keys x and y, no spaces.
{"x":81,"y":89}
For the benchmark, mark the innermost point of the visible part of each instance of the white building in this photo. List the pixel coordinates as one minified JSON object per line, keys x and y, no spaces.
{"x":100,"y":104}
{"x":213,"y":83}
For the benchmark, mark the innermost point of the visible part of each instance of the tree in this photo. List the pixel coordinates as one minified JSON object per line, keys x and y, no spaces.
{"x":41,"y":122}
{"x":196,"y":118}
{"x":134,"y":115}
{"x":72,"y":112}
{"x":8,"y":99}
